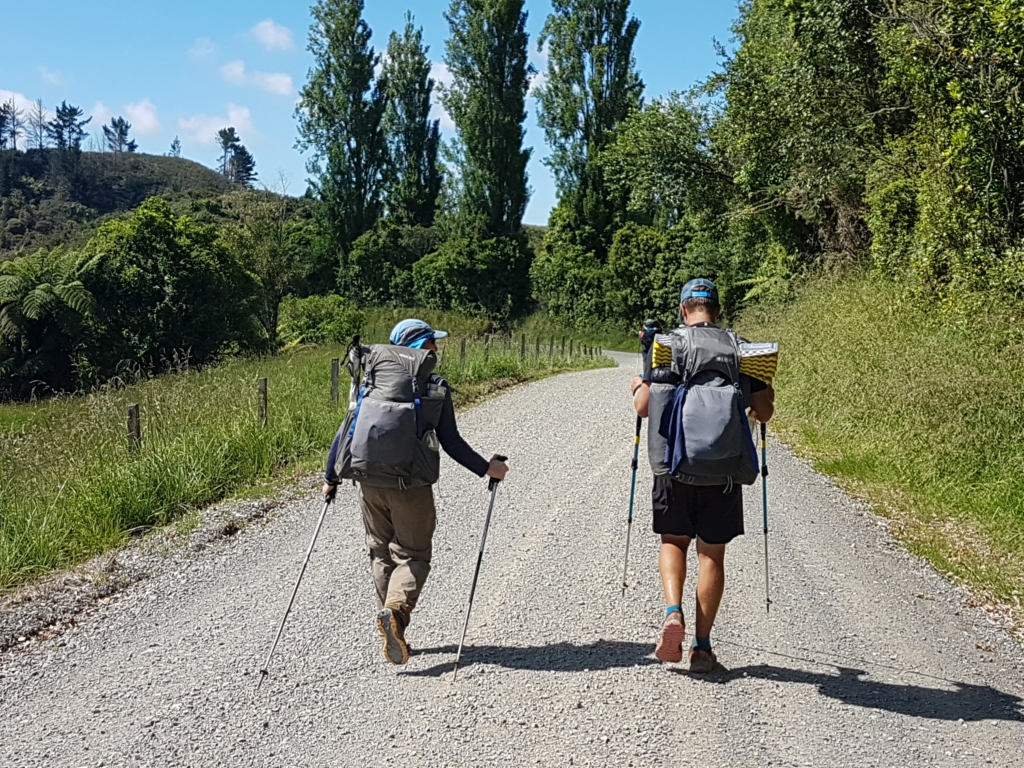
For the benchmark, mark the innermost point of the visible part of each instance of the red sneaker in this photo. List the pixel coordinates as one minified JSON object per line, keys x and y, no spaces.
{"x":670,"y":645}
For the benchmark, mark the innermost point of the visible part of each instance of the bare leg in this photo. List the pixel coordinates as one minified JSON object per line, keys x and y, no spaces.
{"x":710,"y":585}
{"x":672,"y":564}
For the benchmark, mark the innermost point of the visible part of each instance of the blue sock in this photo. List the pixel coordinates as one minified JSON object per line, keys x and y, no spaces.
{"x":703,"y":643}
{"x":673,"y":609}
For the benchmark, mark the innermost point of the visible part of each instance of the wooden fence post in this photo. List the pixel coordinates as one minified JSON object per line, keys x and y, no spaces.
{"x":538,"y":346}
{"x":562,"y":353}
{"x":261,"y":387}
{"x":551,"y":348}
{"x":487,"y":348}
{"x":570,"y":347}
{"x":335,"y":379}
{"x":462,"y":355}
{"x":522,"y":347}
{"x":134,"y":429}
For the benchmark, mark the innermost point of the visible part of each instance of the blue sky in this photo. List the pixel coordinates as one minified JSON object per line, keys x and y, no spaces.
{"x":189,"y":68}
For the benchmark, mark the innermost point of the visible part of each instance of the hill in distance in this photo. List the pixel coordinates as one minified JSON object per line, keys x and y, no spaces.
{"x":43,"y":204}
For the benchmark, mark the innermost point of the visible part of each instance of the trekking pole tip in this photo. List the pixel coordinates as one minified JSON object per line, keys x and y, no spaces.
{"x":263,"y":676}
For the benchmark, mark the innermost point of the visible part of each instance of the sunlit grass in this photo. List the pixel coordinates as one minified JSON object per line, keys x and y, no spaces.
{"x":921,"y":415}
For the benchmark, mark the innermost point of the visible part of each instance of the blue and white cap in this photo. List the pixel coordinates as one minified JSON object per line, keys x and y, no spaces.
{"x":414,"y":333}
{"x":699,"y":288}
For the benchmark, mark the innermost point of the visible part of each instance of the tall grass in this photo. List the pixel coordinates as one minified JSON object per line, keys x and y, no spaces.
{"x":921,"y":414}
{"x":71,"y":485}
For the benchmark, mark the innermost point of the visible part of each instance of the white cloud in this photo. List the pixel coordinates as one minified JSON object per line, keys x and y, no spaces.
{"x":203,"y":128}
{"x":442,"y":76}
{"x":49,"y":76}
{"x":142,"y":116}
{"x":203,"y":48}
{"x":21,"y":101}
{"x":100,"y":114}
{"x":540,"y":77}
{"x":273,"y":82}
{"x":273,"y":36}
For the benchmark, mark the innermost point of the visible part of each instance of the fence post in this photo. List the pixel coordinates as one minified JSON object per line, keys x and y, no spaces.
{"x":562,"y":353}
{"x":134,"y":429}
{"x":522,"y":347}
{"x":335,"y":379}
{"x":538,"y":346}
{"x":570,"y":347}
{"x":462,"y":355}
{"x":551,"y":348}
{"x":261,"y":386}
{"x":487,"y":348}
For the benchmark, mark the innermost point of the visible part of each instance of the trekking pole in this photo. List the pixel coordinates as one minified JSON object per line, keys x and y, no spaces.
{"x":764,"y":490}
{"x":493,"y":487}
{"x":280,"y":631}
{"x":632,"y":497}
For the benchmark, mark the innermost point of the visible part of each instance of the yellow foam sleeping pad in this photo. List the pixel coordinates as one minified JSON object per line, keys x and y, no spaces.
{"x":758,"y":361}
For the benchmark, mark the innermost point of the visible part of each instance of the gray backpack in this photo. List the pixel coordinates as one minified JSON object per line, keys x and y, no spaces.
{"x":388,"y":437}
{"x":699,"y":433}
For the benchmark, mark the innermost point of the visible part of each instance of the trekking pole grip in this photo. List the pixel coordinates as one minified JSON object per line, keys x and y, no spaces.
{"x":494,"y":481}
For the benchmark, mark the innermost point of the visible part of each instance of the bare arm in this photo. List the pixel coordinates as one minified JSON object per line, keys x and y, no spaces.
{"x":641,"y":396}
{"x":762,"y":405}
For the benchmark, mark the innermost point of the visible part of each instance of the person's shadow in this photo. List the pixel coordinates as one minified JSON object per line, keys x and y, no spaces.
{"x":959,"y":701}
{"x":557,"y":657}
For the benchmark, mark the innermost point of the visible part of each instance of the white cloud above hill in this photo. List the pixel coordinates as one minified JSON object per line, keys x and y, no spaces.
{"x":203,"y":128}
{"x":142,"y":115}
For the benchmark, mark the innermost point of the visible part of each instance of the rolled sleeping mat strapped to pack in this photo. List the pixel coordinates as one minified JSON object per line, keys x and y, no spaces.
{"x":759,"y":361}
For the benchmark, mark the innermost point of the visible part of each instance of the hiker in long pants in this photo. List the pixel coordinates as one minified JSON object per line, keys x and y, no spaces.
{"x":691,"y":377}
{"x":389,"y":446}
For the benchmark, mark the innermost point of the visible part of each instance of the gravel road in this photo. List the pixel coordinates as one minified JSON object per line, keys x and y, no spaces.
{"x":868,"y":657}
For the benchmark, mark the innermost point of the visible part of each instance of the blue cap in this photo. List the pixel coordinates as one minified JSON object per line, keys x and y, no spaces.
{"x":699,"y":288}
{"x":414,"y":333}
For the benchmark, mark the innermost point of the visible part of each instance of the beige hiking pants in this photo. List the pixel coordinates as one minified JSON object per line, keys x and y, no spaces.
{"x":400,"y":527}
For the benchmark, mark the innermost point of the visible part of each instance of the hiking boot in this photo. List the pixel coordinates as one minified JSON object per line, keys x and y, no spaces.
{"x":704,"y":662}
{"x":670,"y":645}
{"x":392,"y":630}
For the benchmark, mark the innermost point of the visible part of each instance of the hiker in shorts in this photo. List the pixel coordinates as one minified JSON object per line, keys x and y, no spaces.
{"x":688,"y":506}
{"x":397,"y":502}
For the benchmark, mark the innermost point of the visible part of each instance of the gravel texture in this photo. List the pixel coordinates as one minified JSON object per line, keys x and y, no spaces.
{"x":868,"y":658}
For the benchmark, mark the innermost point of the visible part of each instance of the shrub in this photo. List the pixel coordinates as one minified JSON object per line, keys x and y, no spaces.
{"x":468,"y":275}
{"x":319,"y":320}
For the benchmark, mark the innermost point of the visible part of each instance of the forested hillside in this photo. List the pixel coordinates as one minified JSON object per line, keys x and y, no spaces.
{"x":41,"y":207}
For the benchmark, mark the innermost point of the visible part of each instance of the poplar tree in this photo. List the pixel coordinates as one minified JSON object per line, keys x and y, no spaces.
{"x":487,"y":57}
{"x":591,"y":87}
{"x":340,"y":116}
{"x":413,"y":180}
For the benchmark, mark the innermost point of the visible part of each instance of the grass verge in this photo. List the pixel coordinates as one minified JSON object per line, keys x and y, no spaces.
{"x":71,"y":485}
{"x":920,"y":414}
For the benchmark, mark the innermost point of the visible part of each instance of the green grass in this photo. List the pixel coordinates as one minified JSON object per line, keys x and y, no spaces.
{"x":70,"y":487}
{"x":919,"y":413}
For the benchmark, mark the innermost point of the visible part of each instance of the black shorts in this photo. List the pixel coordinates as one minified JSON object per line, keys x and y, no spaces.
{"x":697,"y":510}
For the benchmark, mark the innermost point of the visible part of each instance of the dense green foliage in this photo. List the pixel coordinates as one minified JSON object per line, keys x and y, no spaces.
{"x":413,"y":177}
{"x":487,"y":58}
{"x":838,"y":130}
